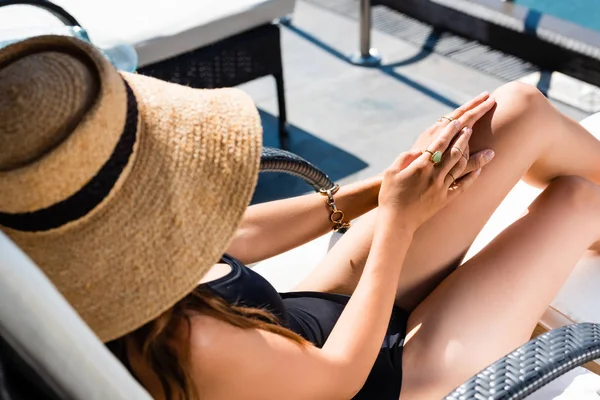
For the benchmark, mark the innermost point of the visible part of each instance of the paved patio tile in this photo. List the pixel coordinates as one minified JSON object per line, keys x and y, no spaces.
{"x":353,"y":121}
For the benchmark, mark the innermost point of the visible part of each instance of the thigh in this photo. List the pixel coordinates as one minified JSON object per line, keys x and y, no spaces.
{"x":490,"y":305}
{"x":439,"y":245}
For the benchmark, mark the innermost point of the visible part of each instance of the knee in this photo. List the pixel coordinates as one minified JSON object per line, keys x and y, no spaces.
{"x":519,"y":96}
{"x":575,"y":194}
{"x":517,"y":103}
{"x":520,"y":111}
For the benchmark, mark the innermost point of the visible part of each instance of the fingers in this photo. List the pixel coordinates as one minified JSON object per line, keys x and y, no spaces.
{"x":463,"y":184}
{"x":454,"y":164}
{"x":465,"y":107}
{"x":467,"y":115}
{"x":455,"y":173}
{"x":479,"y":160}
{"x":442,"y":142}
{"x":470,"y":117}
{"x":405,"y":159}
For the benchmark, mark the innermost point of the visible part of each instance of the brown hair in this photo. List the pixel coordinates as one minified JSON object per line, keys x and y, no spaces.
{"x":158,"y":340}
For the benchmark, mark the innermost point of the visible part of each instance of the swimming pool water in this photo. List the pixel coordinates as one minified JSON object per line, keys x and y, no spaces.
{"x":581,"y":12}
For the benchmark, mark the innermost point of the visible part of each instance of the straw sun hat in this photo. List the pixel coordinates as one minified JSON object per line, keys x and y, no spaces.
{"x":122,"y":188}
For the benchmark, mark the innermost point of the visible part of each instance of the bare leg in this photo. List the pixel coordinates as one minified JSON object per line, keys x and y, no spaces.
{"x":490,"y":305}
{"x":530,"y":139}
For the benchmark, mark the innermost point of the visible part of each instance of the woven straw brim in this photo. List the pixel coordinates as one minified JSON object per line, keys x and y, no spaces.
{"x":170,"y":215}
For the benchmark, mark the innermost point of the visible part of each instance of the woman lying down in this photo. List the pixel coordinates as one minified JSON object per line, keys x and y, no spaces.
{"x":131,"y":194}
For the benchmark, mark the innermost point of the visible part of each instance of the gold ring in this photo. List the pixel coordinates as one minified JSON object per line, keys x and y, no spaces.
{"x":436,"y":157}
{"x":461,"y":152}
{"x":449,"y":119}
{"x":453,"y":179}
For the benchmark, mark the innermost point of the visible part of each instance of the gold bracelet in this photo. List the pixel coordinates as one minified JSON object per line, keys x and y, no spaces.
{"x":337,"y":215}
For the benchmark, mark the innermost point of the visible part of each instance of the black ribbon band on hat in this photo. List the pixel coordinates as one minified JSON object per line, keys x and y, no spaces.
{"x":92,"y":193}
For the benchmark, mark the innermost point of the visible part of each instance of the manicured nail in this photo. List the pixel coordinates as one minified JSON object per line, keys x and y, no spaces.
{"x":456,"y":123}
{"x":478,"y":172}
{"x":488,"y":155}
{"x":468,"y":130}
{"x":484,"y":93}
{"x":491,"y":100}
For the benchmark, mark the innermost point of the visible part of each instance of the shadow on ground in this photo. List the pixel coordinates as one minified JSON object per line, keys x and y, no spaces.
{"x":334,"y":161}
{"x":390,"y":69}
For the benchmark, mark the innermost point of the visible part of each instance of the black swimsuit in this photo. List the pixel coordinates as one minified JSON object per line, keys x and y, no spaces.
{"x":313,"y":316}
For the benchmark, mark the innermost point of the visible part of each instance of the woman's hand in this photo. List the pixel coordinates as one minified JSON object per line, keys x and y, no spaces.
{"x":419,"y":187}
{"x":469,"y":113}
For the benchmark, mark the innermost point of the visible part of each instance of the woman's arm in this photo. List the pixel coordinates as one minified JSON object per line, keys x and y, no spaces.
{"x":263,"y":365}
{"x":267,"y":366}
{"x":272,"y":228}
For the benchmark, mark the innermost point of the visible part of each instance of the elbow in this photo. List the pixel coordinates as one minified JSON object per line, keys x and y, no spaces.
{"x":353,"y":389}
{"x":349,"y":380}
{"x":347,"y":389}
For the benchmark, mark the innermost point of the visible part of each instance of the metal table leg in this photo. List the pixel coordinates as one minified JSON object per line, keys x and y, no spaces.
{"x":367,"y":56}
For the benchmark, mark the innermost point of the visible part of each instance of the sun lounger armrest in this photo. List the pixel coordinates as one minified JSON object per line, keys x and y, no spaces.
{"x":534,"y":364}
{"x":277,"y":160}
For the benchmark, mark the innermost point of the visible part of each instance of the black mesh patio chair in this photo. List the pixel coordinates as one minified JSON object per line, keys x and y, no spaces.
{"x":226,"y":63}
{"x":230,"y":62}
{"x":48,"y":353}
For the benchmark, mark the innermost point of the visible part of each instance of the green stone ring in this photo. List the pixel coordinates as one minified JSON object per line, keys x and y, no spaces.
{"x":436,"y":157}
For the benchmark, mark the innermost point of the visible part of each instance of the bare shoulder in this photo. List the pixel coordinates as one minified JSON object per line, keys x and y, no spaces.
{"x":211,"y":355}
{"x":215,"y":343}
{"x":231,"y":362}
{"x":209,"y":337}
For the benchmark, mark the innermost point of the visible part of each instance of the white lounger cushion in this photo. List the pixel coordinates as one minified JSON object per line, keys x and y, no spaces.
{"x":157,"y":29}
